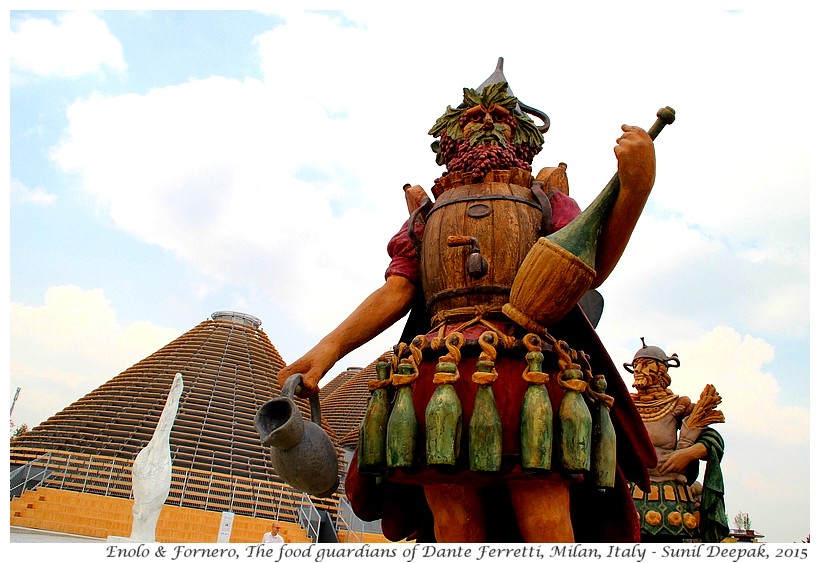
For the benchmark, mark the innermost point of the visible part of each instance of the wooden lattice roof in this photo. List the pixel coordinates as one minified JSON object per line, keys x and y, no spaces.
{"x":344,"y":401}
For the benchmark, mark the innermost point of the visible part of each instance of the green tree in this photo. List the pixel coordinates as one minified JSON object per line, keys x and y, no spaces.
{"x":742,"y":521}
{"x":22,"y":429}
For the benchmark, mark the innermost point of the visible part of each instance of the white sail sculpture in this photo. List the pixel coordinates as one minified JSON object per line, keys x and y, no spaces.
{"x":151,"y":473}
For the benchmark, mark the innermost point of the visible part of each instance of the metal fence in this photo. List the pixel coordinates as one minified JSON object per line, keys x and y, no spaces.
{"x":309,"y":518}
{"x":189,"y":488}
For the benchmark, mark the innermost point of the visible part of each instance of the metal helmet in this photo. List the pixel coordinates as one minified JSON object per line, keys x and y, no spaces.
{"x":653,"y":353}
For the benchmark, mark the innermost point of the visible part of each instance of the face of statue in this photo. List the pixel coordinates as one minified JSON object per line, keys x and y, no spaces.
{"x":484,"y":133}
{"x":491,"y":125}
{"x":647,"y":373}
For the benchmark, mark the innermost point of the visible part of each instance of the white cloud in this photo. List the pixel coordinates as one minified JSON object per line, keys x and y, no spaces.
{"x":79,"y":43}
{"x":36,"y":195}
{"x":735,"y":365}
{"x":70,"y":330}
{"x":212,"y":170}
{"x":673,"y":272}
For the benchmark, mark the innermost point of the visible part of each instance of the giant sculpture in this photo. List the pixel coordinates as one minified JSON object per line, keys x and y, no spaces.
{"x":672,"y":509}
{"x":499,"y":416}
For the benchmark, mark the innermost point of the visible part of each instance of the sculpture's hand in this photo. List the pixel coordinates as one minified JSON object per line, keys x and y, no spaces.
{"x":635,"y":152}
{"x":682,"y":406}
{"x":680,"y":459}
{"x":313,"y":366}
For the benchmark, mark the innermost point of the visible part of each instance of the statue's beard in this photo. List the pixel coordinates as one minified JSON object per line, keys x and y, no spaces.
{"x":478,"y":159}
{"x":649,"y":383}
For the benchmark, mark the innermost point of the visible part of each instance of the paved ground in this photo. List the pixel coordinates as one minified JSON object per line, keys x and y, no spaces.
{"x":29,"y":535}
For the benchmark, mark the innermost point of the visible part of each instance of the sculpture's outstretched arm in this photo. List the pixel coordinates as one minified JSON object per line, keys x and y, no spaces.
{"x":375,"y":314}
{"x":635,"y":152}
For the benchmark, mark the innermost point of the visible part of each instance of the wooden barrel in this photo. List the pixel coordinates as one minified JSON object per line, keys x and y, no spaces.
{"x":551,"y":281}
{"x":502,"y":217}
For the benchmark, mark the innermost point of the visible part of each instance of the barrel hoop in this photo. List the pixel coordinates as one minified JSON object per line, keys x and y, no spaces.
{"x":461,"y":291}
{"x":515,"y":198}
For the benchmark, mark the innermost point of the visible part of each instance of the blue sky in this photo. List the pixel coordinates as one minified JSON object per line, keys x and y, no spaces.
{"x":168,"y":164}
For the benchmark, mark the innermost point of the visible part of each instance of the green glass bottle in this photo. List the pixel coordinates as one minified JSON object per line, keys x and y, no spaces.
{"x":575,"y":424}
{"x":485,"y":426}
{"x":373,"y":429}
{"x":443,"y":418}
{"x":402,"y":426}
{"x":603,"y":440}
{"x":536,"y":418}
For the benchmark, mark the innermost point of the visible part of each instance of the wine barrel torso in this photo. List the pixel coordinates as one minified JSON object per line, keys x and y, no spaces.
{"x":503,"y":217}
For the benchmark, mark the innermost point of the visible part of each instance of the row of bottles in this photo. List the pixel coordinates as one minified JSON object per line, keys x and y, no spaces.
{"x":585,"y":435}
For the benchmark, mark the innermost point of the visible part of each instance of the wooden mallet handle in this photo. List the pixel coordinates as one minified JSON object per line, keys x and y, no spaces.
{"x":665,"y":117}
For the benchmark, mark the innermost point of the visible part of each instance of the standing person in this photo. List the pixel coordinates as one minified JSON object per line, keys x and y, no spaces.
{"x":273,"y":536}
{"x":487,"y":144}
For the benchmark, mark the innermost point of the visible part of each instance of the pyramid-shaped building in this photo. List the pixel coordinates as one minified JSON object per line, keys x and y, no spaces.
{"x":229,"y":369}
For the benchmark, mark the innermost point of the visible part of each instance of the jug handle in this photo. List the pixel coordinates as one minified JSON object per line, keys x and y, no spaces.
{"x":293,"y":385}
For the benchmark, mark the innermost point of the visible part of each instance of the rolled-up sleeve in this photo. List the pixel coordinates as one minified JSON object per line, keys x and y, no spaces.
{"x":564,"y":209}
{"x":404,"y":258}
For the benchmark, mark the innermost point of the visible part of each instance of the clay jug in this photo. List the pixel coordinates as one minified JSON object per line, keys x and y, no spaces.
{"x":301,"y":451}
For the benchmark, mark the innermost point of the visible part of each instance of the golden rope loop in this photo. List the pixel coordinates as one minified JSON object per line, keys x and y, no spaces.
{"x":416,"y":347}
{"x":566,"y":356}
{"x":401,"y":359}
{"x":374,"y":384}
{"x":532,"y":342}
{"x":591,"y":391}
{"x":444,"y":377}
{"x":488,"y":341}
{"x":403,"y":379}
{"x":506,"y":340}
{"x":574,"y":385}
{"x":438,"y":341}
{"x":484,"y":378}
{"x":602,"y":398}
{"x":401,"y":349}
{"x":454,"y":343}
{"x":536,"y":377}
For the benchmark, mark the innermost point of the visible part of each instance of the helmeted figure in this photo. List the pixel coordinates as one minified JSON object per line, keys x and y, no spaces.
{"x":675,"y":507}
{"x":492,"y":421}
